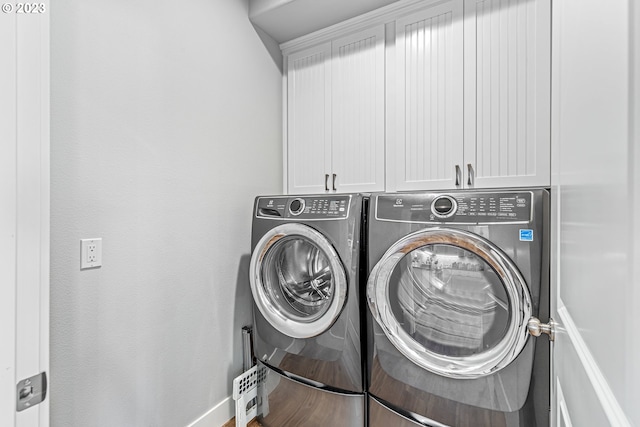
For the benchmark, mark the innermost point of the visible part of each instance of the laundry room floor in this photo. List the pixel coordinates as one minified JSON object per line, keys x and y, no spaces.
{"x":232,"y":423}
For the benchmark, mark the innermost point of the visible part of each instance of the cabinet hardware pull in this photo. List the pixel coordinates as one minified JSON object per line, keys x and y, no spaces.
{"x":470,"y":172}
{"x":334,"y":182}
{"x":326,"y":182}
{"x":457,"y":175}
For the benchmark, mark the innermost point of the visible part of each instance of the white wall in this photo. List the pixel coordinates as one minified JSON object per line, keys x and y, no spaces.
{"x":166,"y":122}
{"x":595,"y":184}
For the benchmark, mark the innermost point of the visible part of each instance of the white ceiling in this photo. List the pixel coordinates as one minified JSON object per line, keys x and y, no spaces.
{"x":286,"y":20}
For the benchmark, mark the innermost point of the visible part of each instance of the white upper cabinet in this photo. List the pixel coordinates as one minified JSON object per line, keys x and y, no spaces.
{"x":335,"y":115}
{"x":422,"y":95}
{"x":503,"y":64}
{"x":428,"y":141}
{"x":357,"y":149}
{"x":309,"y":119}
{"x":507,"y":93}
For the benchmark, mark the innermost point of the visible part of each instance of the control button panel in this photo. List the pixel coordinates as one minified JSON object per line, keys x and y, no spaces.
{"x":308,"y":208}
{"x":464,"y":207}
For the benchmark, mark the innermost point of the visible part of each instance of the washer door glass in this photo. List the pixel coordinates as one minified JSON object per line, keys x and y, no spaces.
{"x":297,"y":280}
{"x":451,"y":302}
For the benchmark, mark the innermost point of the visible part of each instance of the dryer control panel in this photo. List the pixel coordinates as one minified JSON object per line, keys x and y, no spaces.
{"x":304,"y":207}
{"x":456,"y":208}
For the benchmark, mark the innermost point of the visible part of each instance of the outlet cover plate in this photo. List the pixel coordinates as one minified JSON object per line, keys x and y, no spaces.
{"x":90,"y":253}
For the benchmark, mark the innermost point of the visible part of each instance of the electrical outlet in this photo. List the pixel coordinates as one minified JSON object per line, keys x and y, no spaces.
{"x":90,"y":253}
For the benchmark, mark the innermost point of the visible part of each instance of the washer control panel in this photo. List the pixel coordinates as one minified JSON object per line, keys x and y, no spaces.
{"x":307,"y":208}
{"x":456,"y":207}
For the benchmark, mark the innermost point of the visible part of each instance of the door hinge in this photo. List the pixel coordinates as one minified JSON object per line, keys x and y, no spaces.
{"x":537,"y":328}
{"x":31,"y":391}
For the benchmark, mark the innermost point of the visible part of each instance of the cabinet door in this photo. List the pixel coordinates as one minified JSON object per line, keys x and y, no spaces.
{"x":429,"y":79}
{"x":358,"y":111}
{"x":507,"y":93}
{"x":308,"y":120}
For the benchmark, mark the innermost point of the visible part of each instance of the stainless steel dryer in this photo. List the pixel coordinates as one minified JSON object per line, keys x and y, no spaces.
{"x":457,"y":283}
{"x":305,"y":280}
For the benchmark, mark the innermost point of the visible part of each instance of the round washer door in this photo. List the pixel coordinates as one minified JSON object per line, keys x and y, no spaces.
{"x":451,"y":302}
{"x":297,"y":280}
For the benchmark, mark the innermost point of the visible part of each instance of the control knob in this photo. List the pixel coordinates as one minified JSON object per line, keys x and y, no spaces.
{"x":444,"y":206}
{"x":297,"y":206}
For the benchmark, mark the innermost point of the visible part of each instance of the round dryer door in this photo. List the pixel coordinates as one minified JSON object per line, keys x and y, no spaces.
{"x":451,"y":302}
{"x":297,"y":280}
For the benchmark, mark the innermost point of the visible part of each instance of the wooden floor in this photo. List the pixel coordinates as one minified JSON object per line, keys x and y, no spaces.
{"x":232,"y":423}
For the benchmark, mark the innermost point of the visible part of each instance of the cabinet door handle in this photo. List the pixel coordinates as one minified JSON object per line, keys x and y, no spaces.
{"x":458,"y":173}
{"x":334,"y":182}
{"x":470,"y":173}
{"x":326,"y":182}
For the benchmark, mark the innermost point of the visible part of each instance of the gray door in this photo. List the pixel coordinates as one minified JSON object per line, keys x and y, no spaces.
{"x":297,"y":280}
{"x":451,"y":302}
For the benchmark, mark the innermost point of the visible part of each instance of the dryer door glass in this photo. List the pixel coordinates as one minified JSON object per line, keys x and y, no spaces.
{"x":451,"y":302}
{"x":297,"y":280}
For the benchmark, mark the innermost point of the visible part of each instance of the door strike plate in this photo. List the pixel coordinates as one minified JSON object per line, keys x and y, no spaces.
{"x":31,"y":391}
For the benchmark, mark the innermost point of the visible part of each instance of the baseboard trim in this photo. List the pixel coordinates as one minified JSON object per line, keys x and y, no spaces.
{"x":608,"y":400}
{"x":216,"y":416}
